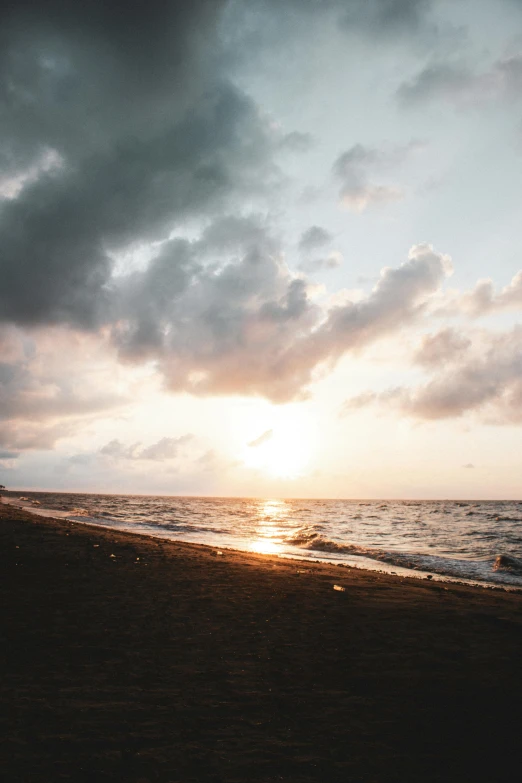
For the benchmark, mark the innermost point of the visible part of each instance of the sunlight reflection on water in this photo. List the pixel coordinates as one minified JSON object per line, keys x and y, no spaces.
{"x":273,"y":509}
{"x":269,"y":534}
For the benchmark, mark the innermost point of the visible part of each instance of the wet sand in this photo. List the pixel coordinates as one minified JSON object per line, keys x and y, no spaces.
{"x":168,"y":662}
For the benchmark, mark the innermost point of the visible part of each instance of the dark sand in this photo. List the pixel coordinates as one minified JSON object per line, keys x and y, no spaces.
{"x":187,"y":666}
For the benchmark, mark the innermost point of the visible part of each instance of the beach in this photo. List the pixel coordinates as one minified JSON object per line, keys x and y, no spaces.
{"x":130,"y":658}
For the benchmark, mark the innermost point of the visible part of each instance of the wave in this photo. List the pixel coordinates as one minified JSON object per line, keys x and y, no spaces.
{"x":322,"y":544}
{"x":312,"y":542}
{"x":318,"y":543}
{"x":503,"y":568}
{"x":508,"y":563}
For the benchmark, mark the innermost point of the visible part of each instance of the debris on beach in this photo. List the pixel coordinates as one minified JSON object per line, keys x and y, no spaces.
{"x":339,"y":588}
{"x":112,"y":556}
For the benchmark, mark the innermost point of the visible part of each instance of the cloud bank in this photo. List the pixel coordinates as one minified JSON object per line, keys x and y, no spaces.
{"x":484,"y":379}
{"x":126,"y":132}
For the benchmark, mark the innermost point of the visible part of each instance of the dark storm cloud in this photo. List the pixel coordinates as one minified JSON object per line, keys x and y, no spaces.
{"x":119,"y":123}
{"x":58,"y":269}
{"x":133,"y":106}
{"x":145,"y":130}
{"x":80,"y":68}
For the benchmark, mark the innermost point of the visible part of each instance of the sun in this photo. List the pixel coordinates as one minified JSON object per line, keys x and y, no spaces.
{"x":282,"y":451}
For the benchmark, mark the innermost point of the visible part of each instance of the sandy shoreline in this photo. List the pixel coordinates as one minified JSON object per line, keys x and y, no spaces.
{"x":168,"y":662}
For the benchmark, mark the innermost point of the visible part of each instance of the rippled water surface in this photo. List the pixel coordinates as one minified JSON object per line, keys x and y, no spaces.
{"x":479,"y":541}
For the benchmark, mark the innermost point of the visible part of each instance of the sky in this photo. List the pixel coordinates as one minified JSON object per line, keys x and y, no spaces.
{"x":262,"y":247}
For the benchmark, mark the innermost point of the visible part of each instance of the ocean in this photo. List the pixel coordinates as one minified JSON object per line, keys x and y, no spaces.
{"x":476,"y":541}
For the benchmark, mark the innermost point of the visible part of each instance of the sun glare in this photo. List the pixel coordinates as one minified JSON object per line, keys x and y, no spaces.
{"x":269,"y":533}
{"x":283,"y":451}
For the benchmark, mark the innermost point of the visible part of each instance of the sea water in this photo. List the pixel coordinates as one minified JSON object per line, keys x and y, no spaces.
{"x":466,"y":540}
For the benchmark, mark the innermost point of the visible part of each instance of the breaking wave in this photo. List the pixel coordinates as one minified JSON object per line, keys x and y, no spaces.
{"x":508,"y":563}
{"x":320,"y":543}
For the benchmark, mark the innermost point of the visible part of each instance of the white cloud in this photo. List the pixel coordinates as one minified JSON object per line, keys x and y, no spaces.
{"x":162,"y":450}
{"x":485,"y":380}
